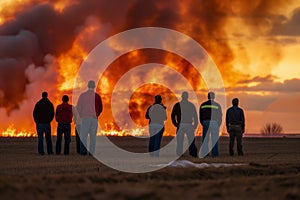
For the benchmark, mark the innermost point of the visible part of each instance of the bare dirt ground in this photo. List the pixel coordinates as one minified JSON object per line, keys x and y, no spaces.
{"x":271,"y":171}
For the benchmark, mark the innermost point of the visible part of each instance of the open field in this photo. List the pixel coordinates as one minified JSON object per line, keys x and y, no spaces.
{"x":271,"y":171}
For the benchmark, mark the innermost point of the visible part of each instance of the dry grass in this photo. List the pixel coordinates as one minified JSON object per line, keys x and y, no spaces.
{"x":271,"y":171}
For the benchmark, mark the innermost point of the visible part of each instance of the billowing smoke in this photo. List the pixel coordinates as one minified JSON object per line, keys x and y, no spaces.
{"x":41,"y":30}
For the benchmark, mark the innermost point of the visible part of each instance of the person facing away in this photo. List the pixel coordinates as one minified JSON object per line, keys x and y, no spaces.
{"x":77,"y":121}
{"x":235,"y":125}
{"x":63,"y":116}
{"x":157,"y":116}
{"x":185,"y":119}
{"x":89,"y":107}
{"x":43,"y":114}
{"x":211,"y":120}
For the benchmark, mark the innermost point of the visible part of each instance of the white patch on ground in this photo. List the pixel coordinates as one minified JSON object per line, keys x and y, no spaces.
{"x":186,"y":163}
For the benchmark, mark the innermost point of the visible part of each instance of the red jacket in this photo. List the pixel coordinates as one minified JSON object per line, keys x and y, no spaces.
{"x":64,"y":113}
{"x":89,"y":105}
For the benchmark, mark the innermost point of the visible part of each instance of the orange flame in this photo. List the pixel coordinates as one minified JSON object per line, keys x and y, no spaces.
{"x":11,"y":131}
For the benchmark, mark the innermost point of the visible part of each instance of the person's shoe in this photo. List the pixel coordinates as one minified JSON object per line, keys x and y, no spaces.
{"x":240,"y":153}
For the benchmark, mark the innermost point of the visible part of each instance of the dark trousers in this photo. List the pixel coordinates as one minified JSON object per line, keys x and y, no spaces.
{"x":77,"y":137}
{"x":41,"y":129}
{"x":63,"y":129}
{"x":235,"y":131}
{"x":156,"y":134}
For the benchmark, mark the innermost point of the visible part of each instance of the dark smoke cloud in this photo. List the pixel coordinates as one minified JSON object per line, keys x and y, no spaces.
{"x":39,"y":30}
{"x":288,"y":27}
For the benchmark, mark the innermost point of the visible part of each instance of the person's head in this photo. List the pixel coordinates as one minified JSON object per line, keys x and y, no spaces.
{"x":158,"y":99}
{"x":211,"y":95}
{"x":91,"y":84}
{"x":45,"y":94}
{"x":235,"y":102}
{"x":185,"y":96}
{"x":65,"y":98}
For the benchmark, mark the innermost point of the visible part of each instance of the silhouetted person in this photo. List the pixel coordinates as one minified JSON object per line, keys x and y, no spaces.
{"x":185,"y":119}
{"x":77,"y":121}
{"x":211,"y":120}
{"x":89,"y":107}
{"x":156,"y":114}
{"x":64,"y":115}
{"x":235,"y":125}
{"x":43,"y":114}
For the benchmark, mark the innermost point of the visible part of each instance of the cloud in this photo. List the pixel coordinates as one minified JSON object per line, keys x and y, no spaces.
{"x":267,"y":84}
{"x":288,"y":27}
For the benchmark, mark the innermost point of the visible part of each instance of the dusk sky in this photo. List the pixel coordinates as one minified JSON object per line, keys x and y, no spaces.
{"x":255,"y":46}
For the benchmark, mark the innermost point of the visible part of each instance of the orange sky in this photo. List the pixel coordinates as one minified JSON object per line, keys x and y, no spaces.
{"x":255,"y":46}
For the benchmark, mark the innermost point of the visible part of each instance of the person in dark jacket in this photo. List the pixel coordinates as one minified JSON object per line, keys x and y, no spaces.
{"x":157,"y":116}
{"x":43,"y":114}
{"x":64,"y":115}
{"x":185,"y":119}
{"x":235,"y":125}
{"x":211,"y":120}
{"x":89,"y":107}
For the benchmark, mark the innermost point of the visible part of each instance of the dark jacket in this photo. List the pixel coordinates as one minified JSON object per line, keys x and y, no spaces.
{"x":210,"y":110}
{"x":235,"y":116}
{"x":147,"y":116}
{"x":43,"y":111}
{"x":189,"y":114}
{"x":64,"y":113}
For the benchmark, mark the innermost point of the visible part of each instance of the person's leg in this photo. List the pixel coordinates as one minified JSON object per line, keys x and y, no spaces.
{"x":205,"y":138}
{"x":191,"y":139}
{"x":239,"y":136}
{"x":231,"y":142}
{"x":83,"y":136}
{"x":48,"y":138}
{"x":67,"y":135}
{"x":93,"y":135}
{"x":59,"y":132}
{"x":40,"y":132}
{"x":77,"y":129}
{"x":179,"y":140}
{"x":151,"y":140}
{"x":157,"y":140}
{"x":215,"y":138}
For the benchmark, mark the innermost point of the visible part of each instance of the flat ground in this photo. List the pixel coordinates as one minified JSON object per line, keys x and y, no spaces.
{"x":271,"y":171}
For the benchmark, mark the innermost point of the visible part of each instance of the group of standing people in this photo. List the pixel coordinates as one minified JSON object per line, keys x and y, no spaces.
{"x":85,"y":114}
{"x":185,"y":118}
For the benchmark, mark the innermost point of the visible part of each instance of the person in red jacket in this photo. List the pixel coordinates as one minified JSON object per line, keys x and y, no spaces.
{"x":64,"y":115}
{"x":89,"y":107}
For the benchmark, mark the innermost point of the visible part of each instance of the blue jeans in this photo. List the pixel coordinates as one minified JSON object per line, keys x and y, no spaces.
{"x":188,"y":129}
{"x":156,"y":132}
{"x":88,"y":126}
{"x":210,"y":129}
{"x":41,"y":129}
{"x":63,"y":128}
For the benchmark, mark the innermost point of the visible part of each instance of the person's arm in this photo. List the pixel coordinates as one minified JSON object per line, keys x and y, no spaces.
{"x":174,"y":116}
{"x":227,"y":120}
{"x":100,"y":105}
{"x":35,"y":112}
{"x":52,"y":111}
{"x":195,"y":117}
{"x":201,"y":115}
{"x":57,"y":113}
{"x":147,"y":113}
{"x":243,"y":120}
